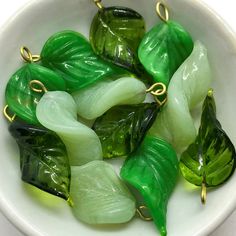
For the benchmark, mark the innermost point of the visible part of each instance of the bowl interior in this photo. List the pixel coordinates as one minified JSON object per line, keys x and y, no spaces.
{"x":36,"y":213}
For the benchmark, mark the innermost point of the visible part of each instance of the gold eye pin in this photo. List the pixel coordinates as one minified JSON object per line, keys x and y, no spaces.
{"x":162,"y":11}
{"x":158,"y":90}
{"x":140,"y":213}
{"x":28,"y":56}
{"x":9,"y":117}
{"x":37,"y":86}
{"x":98,"y":3}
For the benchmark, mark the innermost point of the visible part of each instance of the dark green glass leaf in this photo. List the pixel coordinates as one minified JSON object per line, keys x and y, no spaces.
{"x":70,"y":54}
{"x":153,"y":169}
{"x":115,"y":35}
{"x":122,"y":128}
{"x":211,"y":158}
{"x":21,"y":99}
{"x":43,"y":157}
{"x":163,"y":49}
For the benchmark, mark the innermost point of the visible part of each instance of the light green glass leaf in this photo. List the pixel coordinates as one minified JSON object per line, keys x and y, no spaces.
{"x":211,"y":158}
{"x":115,"y":35}
{"x":21,"y":99}
{"x":94,"y":101}
{"x":57,"y":112}
{"x":99,"y":196}
{"x":163,"y":49}
{"x":69,"y":54}
{"x":43,"y":158}
{"x":187,"y":88}
{"x":153,"y":169}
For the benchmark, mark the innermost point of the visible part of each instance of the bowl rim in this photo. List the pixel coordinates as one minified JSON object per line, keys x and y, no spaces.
{"x":25,"y":227}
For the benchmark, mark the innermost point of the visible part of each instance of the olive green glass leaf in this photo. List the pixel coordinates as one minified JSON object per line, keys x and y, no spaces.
{"x":210,"y":160}
{"x":115,"y":35}
{"x":70,"y":54}
{"x":122,"y":128}
{"x":21,"y":99}
{"x":43,"y":157}
{"x":163,"y":49}
{"x":153,"y":169}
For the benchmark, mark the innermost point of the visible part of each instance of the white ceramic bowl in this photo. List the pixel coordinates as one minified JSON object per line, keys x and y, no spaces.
{"x":46,"y":215}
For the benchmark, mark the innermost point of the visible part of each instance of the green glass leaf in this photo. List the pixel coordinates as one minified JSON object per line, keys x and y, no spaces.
{"x":99,"y":196}
{"x":163,"y":49}
{"x":57,"y":112}
{"x":70,"y":54}
{"x":95,"y":100}
{"x":153,"y":169}
{"x":21,"y":99}
{"x":115,"y":35}
{"x":43,"y":158}
{"x":187,"y":88}
{"x":122,"y":128}
{"x":211,"y":158}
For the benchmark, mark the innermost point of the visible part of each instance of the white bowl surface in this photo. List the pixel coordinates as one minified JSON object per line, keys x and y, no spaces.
{"x":41,"y":214}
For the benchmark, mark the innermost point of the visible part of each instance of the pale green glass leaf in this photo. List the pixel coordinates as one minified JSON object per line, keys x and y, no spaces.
{"x":94,"y":101}
{"x":99,"y":196}
{"x":57,"y":112}
{"x":187,"y":88}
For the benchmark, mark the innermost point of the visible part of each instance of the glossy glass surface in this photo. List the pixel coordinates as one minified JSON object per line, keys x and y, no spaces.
{"x":187,"y":88}
{"x":153,"y":169}
{"x":122,"y":128}
{"x":43,"y":158}
{"x":211,"y":158}
{"x":115,"y":35}
{"x":99,"y":196}
{"x":21,"y":99}
{"x":95,"y":100}
{"x":57,"y":112}
{"x":69,"y":54}
{"x":163,"y":49}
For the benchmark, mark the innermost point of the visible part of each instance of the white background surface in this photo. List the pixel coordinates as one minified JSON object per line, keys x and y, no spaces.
{"x":225,"y":9}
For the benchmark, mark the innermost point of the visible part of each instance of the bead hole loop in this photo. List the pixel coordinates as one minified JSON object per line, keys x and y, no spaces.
{"x":162,"y":11}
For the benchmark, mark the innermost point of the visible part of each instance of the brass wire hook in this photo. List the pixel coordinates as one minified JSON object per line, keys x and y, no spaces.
{"x":28,"y":56}
{"x":139,"y":211}
{"x":157,"y":90}
{"x":164,"y":16}
{"x":98,"y":3}
{"x":9,"y":117}
{"x":41,"y":88}
{"x":204,"y":188}
{"x":203,"y":193}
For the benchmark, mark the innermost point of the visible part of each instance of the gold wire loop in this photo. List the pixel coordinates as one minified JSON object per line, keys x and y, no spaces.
{"x":70,"y":202}
{"x":203,"y":193}
{"x":140,"y":213}
{"x":210,"y":92}
{"x":41,"y":88}
{"x":162,"y":11}
{"x":157,"y":90}
{"x":98,"y":4}
{"x":27,"y":55}
{"x":10,"y":118}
